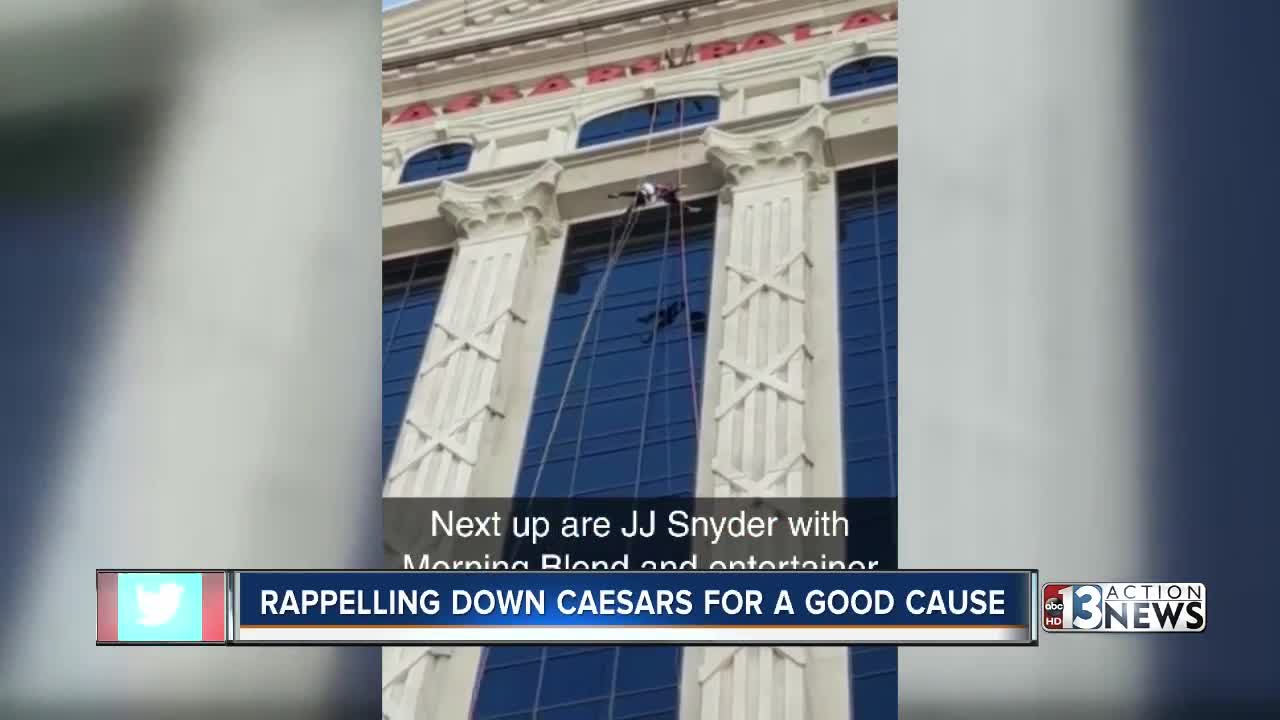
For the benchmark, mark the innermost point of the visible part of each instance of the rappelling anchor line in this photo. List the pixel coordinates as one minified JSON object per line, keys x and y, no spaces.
{"x":685,"y":58}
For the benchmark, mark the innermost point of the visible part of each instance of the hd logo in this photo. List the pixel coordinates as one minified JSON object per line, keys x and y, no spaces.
{"x":1123,"y":607}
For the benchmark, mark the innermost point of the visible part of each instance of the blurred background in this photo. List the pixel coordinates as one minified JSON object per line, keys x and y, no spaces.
{"x":190,"y":241}
{"x":191,"y":266}
{"x":1086,"y":259}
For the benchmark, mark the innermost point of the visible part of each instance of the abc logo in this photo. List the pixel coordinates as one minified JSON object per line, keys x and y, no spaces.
{"x":1053,"y":612}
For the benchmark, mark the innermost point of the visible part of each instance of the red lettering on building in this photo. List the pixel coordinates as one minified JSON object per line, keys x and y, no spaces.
{"x":804,"y":32}
{"x":654,"y":63}
{"x":605,"y":73}
{"x":555,"y":83}
{"x":646,"y":65}
{"x":505,"y":93}
{"x":716,"y":50}
{"x":416,"y":111}
{"x":761,"y":41}
{"x":463,"y":102}
{"x":861,"y":20}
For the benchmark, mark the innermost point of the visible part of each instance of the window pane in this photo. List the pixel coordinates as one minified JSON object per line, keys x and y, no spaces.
{"x":868,"y":276}
{"x":641,"y":120}
{"x":437,"y":161}
{"x":410,"y":291}
{"x":864,"y":75}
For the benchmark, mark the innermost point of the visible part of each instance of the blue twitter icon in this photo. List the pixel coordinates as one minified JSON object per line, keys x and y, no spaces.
{"x":159,"y":607}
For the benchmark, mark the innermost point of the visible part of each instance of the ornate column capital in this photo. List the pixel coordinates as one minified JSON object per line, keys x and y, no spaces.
{"x":392,"y":155}
{"x":392,"y":162}
{"x":797,"y":148}
{"x":524,"y":205}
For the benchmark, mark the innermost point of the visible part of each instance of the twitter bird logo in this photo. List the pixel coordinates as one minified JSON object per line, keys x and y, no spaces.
{"x":165,"y":607}
{"x":158,"y":608}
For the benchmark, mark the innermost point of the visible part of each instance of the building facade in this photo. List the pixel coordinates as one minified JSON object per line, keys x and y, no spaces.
{"x":539,"y":340}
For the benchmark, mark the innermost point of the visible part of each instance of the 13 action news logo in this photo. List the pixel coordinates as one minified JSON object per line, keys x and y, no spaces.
{"x":1123,"y":607}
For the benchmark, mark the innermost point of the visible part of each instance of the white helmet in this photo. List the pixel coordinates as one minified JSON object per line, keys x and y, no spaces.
{"x":648,"y":188}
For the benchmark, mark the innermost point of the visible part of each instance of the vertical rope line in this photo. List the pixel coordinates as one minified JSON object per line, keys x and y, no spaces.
{"x":630,"y":220}
{"x":613,"y":681}
{"x":542,"y":674}
{"x":614,"y":254}
{"x":586,"y":397}
{"x":404,"y":300}
{"x":884,"y":342}
{"x":653,"y":349}
{"x":688,"y":310}
{"x":577,"y":353}
{"x":666,"y":411}
{"x":386,"y":350}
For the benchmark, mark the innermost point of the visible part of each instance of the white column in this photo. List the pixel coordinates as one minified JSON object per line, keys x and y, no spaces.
{"x":760,"y":423}
{"x":457,"y":401}
{"x":764,"y":355}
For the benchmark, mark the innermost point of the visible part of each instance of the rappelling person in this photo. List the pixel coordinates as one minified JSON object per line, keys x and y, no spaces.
{"x":654,"y":193}
{"x":666,"y":317}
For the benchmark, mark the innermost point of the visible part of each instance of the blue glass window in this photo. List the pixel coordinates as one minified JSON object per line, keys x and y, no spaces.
{"x":874,"y":674}
{"x":868,"y":277}
{"x":641,"y":120}
{"x":627,"y":430}
{"x":869,"y":328}
{"x":864,"y":74}
{"x":437,"y":161}
{"x":411,"y":289}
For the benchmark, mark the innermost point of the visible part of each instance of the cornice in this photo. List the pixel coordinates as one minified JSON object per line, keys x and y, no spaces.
{"x":526,"y":204}
{"x":637,"y":24}
{"x":585,"y":102}
{"x":575,"y":161}
{"x":796,"y":148}
{"x":437,"y":30}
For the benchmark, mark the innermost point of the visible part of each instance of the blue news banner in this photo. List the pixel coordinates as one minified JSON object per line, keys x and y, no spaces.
{"x":687,"y":608}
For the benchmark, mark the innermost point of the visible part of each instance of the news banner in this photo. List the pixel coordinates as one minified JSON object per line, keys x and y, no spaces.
{"x":607,"y":573}
{"x":470,"y":608}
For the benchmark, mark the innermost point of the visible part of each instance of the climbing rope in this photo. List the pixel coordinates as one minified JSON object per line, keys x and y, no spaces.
{"x":595,"y":314}
{"x":653,"y":349}
{"x":884,"y":342}
{"x":684,"y":283}
{"x":629,"y":221}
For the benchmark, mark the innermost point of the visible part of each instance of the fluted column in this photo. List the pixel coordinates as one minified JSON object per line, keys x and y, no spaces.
{"x":457,"y":399}
{"x":764,"y":354}
{"x":760,"y":421}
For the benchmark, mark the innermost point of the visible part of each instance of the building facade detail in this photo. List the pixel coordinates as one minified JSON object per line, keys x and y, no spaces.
{"x":459,"y":387}
{"x":392,"y":162}
{"x":543,"y":127}
{"x":759,"y":421}
{"x":884,"y":44}
{"x":770,"y":416}
{"x":458,"y":395}
{"x":764,"y":355}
